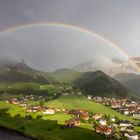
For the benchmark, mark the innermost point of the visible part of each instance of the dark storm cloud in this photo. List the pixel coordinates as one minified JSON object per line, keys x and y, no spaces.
{"x":50,"y":48}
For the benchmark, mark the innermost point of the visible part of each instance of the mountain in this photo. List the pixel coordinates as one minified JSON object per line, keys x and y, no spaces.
{"x":99,"y":83}
{"x":94,"y":83}
{"x":20,"y":72}
{"x":130,"y":80}
{"x":66,"y":75}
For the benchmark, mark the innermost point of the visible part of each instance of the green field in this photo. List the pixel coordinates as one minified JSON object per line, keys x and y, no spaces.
{"x":47,"y":128}
{"x":50,"y":127}
{"x":80,"y":102}
{"x":51,"y":89}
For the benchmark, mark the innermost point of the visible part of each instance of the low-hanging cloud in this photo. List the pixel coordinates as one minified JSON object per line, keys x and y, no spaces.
{"x":51,"y":48}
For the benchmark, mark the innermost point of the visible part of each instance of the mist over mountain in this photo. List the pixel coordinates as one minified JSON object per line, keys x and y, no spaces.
{"x":21,"y":72}
{"x":110,"y":66}
{"x":107,"y":65}
{"x":94,"y":83}
{"x":129,"y":80}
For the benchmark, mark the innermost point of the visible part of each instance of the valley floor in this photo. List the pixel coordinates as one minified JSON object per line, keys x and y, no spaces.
{"x":52,"y":127}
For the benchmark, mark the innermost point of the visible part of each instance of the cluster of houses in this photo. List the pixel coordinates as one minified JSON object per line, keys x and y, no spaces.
{"x":103,"y":125}
{"x":33,"y":108}
{"x":24,"y":98}
{"x":125,"y":106}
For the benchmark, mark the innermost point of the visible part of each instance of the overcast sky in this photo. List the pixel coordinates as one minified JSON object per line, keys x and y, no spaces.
{"x":50,"y":48}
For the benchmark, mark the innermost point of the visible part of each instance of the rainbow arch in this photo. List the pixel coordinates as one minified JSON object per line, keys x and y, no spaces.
{"x":72,"y":27}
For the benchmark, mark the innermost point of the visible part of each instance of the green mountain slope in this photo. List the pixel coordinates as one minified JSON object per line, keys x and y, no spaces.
{"x":98,"y":83}
{"x":22,"y":73}
{"x":94,"y":83}
{"x":66,"y":75}
{"x":80,"y":102}
{"x":129,"y":80}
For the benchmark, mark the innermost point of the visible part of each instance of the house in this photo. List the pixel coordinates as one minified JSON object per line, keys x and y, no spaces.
{"x":115,"y":105}
{"x":73,"y":122}
{"x":29,"y":110}
{"x":83,"y":114}
{"x":7,"y":101}
{"x":133,"y":109}
{"x":104,"y":130}
{"x":79,"y":113}
{"x":32,"y":109}
{"x":131,"y":135}
{"x":97,"y":116}
{"x":13,"y":101}
{"x":49,"y":111}
{"x":129,"y":129}
{"x":126,"y":112}
{"x":136,"y":115}
{"x":23,"y":105}
{"x":77,"y":122}
{"x":74,"y":112}
{"x":124,"y":123}
{"x":103,"y":121}
{"x":112,"y":119}
{"x":89,"y":97}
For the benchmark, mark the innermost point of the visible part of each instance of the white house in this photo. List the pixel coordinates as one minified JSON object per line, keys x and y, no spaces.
{"x":125,"y":123}
{"x":126,"y":112}
{"x":131,"y":136}
{"x":89,"y":97}
{"x":97,"y":116}
{"x":136,"y":115}
{"x":112,"y":119}
{"x":49,"y":111}
{"x":102,"y":121}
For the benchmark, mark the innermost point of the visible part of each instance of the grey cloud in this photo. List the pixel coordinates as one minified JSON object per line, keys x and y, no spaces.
{"x":51,"y":48}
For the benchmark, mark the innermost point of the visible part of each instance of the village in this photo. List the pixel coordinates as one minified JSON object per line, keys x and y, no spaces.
{"x":110,"y":126}
{"x":124,"y":106}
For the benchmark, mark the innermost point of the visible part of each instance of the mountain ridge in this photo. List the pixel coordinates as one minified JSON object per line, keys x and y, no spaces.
{"x":129,"y":80}
{"x":94,"y":82}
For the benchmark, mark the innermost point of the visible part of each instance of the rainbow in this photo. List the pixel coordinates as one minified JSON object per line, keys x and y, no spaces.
{"x":72,"y":27}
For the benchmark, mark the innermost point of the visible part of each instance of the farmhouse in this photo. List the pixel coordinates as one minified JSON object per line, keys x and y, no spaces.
{"x":104,"y":130}
{"x":49,"y":111}
{"x":97,"y":116}
{"x":23,"y":105}
{"x":136,"y":115}
{"x":125,"y":123}
{"x":131,"y":136}
{"x":73,"y":122}
{"x":89,"y":97}
{"x":112,"y":119}
{"x":84,"y":114}
{"x":115,"y":105}
{"x":103,"y":121}
{"x":13,"y":101}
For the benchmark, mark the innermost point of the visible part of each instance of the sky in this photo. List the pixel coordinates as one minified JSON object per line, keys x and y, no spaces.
{"x":49,"y":48}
